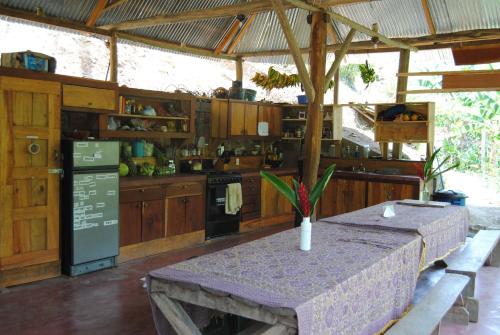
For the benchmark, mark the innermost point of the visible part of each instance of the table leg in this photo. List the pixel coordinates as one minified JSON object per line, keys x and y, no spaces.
{"x":175,"y":314}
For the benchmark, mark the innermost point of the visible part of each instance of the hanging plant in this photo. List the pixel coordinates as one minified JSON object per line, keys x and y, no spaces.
{"x":368,"y":74}
{"x":275,"y":79}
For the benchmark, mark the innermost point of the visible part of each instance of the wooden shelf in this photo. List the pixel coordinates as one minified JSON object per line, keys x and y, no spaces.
{"x":404,"y":123}
{"x":137,"y":116}
{"x":142,"y":134}
{"x":292,"y":138}
{"x":295,"y":120}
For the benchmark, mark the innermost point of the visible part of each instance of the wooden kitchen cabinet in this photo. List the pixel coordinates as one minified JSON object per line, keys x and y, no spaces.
{"x":99,"y":99}
{"x":378,"y":192}
{"x":142,"y":213}
{"x":342,"y":196}
{"x":242,"y":119}
{"x":185,"y":214}
{"x":251,"y":188}
{"x":272,"y":115}
{"x":219,"y":118}
{"x":273,"y":203}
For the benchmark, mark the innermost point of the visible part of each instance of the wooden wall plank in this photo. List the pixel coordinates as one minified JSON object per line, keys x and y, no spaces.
{"x":474,"y":81}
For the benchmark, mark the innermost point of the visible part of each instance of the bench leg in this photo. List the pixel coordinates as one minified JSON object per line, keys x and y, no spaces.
{"x":458,"y":314}
{"x":436,"y":330}
{"x":473,"y":308}
{"x":470,"y":289}
{"x":494,"y":259}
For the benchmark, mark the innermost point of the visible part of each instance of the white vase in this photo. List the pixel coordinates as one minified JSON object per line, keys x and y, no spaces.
{"x":305,"y":234}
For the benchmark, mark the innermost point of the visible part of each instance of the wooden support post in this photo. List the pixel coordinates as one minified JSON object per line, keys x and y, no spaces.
{"x":239,"y":69}
{"x":279,"y":8}
{"x":336,"y":80}
{"x":340,"y":55}
{"x":317,"y":59}
{"x":113,"y":59}
{"x":404,"y":65}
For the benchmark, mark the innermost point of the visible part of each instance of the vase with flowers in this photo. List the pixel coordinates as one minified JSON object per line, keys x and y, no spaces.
{"x":428,"y":173}
{"x":303,"y":201}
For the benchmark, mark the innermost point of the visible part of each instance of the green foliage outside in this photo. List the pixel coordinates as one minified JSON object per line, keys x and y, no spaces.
{"x":472,"y":133}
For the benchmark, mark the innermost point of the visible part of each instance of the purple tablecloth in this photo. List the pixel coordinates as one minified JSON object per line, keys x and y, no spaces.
{"x":353,"y":281}
{"x":442,"y":229}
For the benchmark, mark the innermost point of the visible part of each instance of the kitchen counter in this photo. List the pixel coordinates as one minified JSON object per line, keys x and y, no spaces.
{"x":140,"y":181}
{"x":377,"y":177}
{"x":276,"y":171}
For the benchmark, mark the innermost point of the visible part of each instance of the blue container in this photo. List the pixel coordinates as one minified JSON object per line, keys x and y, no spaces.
{"x":454,"y":198}
{"x":302,"y":99}
{"x":138,"y":149}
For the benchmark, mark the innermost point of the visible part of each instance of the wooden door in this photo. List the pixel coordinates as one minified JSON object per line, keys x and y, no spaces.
{"x":342,"y":196}
{"x":219,"y":119}
{"x":381,"y":192}
{"x":251,"y":115}
{"x":176,"y":216}
{"x":29,"y":180}
{"x":237,"y":117}
{"x":272,"y":202}
{"x":152,"y":219}
{"x":271,"y":115}
{"x":130,"y":223}
{"x":195,"y":213}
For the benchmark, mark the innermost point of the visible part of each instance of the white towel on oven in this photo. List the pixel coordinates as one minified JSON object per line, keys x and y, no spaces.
{"x":234,"y":198}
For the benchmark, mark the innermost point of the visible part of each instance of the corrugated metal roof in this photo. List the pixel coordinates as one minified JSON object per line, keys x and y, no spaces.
{"x":396,"y":19}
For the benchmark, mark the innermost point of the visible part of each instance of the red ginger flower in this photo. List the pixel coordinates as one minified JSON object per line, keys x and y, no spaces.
{"x":304,"y":200}
{"x":420,"y":170}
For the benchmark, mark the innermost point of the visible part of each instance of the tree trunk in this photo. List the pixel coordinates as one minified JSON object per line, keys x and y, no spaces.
{"x":317,"y":60}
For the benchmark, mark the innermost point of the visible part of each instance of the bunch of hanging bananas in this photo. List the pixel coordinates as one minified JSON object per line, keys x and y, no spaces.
{"x":275,"y":79}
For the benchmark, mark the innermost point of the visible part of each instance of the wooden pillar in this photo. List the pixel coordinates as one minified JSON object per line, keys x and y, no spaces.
{"x":336,"y":80}
{"x":113,"y":59}
{"x":404,"y":65}
{"x":317,"y":60}
{"x":239,"y":69}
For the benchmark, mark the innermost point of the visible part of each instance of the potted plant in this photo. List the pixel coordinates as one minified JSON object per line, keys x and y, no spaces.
{"x":303,"y":201}
{"x":428,"y":173}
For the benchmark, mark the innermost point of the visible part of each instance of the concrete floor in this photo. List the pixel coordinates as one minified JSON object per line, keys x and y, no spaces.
{"x":114,"y":302}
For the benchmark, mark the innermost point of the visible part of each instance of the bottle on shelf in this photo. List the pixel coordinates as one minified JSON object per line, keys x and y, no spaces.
{"x":171,"y":167}
{"x":356,"y":153}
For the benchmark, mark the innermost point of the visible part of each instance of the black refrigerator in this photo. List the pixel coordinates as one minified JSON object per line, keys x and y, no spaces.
{"x":90,"y":206}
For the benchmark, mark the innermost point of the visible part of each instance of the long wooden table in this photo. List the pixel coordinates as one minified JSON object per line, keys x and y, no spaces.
{"x":356,"y":279}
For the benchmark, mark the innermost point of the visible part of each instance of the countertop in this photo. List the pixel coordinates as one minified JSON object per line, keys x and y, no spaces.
{"x":276,"y":171}
{"x":376,"y":177}
{"x":139,"y":181}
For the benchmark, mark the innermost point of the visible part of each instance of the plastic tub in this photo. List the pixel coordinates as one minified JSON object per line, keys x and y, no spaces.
{"x":302,"y":99}
{"x":250,"y":94}
{"x":138,"y":148}
{"x":454,"y":198}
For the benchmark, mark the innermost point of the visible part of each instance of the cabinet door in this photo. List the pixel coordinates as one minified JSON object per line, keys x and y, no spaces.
{"x":152,"y":219}
{"x":272,"y":202}
{"x":237,"y":117}
{"x":87,"y":97}
{"x":271,"y":115}
{"x":381,"y":192}
{"x":130,"y":223}
{"x":195,"y":213}
{"x":219,"y":119}
{"x":29,"y":179}
{"x":251,"y":115}
{"x":176,"y":216}
{"x":342,"y":196}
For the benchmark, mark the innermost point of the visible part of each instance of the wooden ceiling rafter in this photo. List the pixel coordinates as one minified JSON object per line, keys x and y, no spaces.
{"x":339,"y":56}
{"x":244,"y":28}
{"x":115,"y":4}
{"x":428,"y":17}
{"x":305,"y":79}
{"x":96,"y":12}
{"x":228,"y":36}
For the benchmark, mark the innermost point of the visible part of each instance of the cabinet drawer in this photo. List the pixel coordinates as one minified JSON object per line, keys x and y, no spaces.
{"x":250,"y":189}
{"x":141,"y":194}
{"x":87,"y":97}
{"x":183,"y":189}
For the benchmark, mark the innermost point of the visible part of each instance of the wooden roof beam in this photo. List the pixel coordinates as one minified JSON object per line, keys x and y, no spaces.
{"x":246,"y":8}
{"x":305,"y":79}
{"x":352,"y":24}
{"x":96,"y":13}
{"x":242,"y":32}
{"x":339,"y":56}
{"x":428,"y":17}
{"x":115,"y":4}
{"x":471,"y":37}
{"x":230,"y":34}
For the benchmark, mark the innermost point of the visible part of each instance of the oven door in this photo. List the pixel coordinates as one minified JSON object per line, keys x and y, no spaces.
{"x":218,"y":223}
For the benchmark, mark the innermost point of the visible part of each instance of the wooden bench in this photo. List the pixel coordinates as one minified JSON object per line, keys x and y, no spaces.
{"x":482,"y":249}
{"x":425,"y":318}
